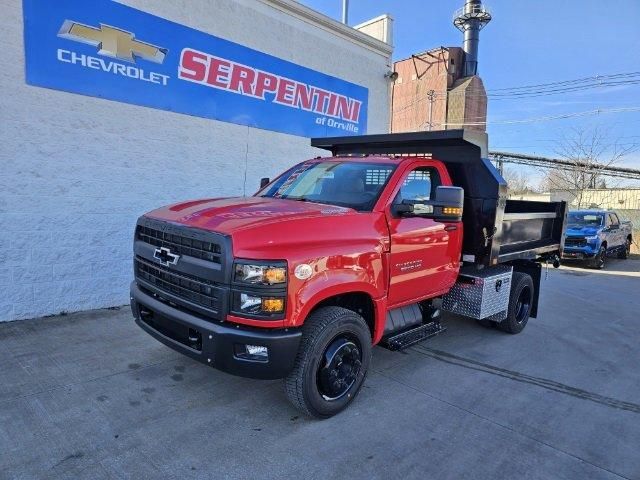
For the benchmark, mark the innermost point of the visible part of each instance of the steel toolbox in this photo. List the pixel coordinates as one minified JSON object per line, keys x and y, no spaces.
{"x":480,"y":294}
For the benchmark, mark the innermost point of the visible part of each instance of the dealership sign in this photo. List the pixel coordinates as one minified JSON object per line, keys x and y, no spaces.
{"x":105,"y":49}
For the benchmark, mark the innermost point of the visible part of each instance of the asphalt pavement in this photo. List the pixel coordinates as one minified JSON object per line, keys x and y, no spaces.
{"x":91,"y":396}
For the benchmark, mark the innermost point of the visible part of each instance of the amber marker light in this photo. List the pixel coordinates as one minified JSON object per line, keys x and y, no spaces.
{"x":273,"y":305}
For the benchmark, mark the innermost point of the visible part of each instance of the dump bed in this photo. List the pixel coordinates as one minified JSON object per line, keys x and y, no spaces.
{"x":496,"y":230}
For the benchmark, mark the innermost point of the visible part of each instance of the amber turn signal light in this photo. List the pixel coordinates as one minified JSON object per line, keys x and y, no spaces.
{"x":273,"y":305}
{"x":275,"y":275}
{"x":454,"y":211}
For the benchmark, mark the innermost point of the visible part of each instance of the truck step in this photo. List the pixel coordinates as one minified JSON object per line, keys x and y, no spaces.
{"x":410,"y":337}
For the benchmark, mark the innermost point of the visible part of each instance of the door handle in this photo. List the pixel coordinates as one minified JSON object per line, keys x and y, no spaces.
{"x":451,"y":228}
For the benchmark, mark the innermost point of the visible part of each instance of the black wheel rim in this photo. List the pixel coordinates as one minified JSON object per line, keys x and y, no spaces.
{"x":339,"y":367}
{"x":523,"y":304}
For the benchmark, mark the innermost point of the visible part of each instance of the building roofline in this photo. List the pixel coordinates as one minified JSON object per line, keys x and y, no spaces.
{"x":373,"y":20}
{"x":326,"y":23}
{"x":440,"y":48}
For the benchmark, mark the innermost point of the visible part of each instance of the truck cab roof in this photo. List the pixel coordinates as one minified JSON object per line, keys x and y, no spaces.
{"x":366,"y":158}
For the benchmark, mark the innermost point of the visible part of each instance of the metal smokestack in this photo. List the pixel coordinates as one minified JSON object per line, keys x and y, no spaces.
{"x":470,"y":19}
{"x":471,"y":38}
{"x":345,"y":12}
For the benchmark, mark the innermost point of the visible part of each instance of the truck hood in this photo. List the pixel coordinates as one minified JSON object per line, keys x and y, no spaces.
{"x":231,"y":215}
{"x":583,"y":231}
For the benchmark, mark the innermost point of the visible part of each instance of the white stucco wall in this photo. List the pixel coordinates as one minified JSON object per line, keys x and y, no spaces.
{"x":77,"y":172}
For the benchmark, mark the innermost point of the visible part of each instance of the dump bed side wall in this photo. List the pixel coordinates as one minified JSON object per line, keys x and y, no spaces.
{"x":530,"y":229}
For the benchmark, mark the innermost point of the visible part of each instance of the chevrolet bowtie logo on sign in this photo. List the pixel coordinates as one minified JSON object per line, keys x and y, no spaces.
{"x":112,"y":42}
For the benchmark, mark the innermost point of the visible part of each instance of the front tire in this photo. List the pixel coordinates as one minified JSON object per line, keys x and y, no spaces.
{"x":331,"y":364}
{"x":520,"y":302}
{"x":599,"y":261}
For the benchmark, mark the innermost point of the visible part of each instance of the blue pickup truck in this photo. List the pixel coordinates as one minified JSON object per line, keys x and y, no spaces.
{"x":592,"y":235}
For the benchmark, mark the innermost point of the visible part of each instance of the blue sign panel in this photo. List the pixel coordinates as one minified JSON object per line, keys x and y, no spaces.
{"x":105,"y":49}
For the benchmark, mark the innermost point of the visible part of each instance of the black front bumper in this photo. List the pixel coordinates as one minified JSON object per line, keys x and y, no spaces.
{"x":216,"y":344}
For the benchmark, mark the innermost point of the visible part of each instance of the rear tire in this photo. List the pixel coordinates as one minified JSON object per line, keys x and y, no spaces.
{"x":626,"y":250}
{"x":520,"y":303}
{"x":331,"y":364}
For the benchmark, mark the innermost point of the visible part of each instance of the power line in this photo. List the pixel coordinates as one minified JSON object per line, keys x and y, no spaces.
{"x":549,"y":117}
{"x":476,"y":92}
{"x":538,"y":119}
{"x":556,"y":91}
{"x":617,"y":142}
{"x":436,"y":97}
{"x":597,"y":111}
{"x":597,"y":78}
{"x":505,"y":147}
{"x":532,"y":91}
{"x":556,"y":163}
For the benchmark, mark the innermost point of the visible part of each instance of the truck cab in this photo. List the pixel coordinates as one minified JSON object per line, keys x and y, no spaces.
{"x":594,"y":234}
{"x":339,"y":254}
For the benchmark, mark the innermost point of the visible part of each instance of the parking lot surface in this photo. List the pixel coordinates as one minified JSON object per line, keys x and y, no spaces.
{"x":92,"y":396}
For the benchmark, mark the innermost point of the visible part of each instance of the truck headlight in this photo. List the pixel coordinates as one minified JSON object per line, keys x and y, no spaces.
{"x":591,"y":239}
{"x":267,"y":274}
{"x":255,"y":305}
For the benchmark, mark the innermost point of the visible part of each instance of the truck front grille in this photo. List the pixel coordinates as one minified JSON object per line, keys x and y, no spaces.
{"x":575,"y":242}
{"x":198,"y":291}
{"x":182,"y":245}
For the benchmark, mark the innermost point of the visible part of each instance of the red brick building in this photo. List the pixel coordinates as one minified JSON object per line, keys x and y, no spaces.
{"x":440,"y":89}
{"x":431,"y":93}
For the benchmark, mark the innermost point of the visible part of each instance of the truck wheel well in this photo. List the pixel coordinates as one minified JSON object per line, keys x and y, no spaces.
{"x":359,"y":302}
{"x":604,"y":244}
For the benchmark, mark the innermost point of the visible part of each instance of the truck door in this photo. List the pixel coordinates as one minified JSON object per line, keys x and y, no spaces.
{"x":425,"y":254}
{"x":615,"y":234}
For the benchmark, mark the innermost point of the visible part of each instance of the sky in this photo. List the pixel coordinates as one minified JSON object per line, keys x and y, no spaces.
{"x":528,"y":43}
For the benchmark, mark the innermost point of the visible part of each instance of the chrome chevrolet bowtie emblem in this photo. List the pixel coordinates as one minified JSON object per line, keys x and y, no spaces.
{"x":165,"y":257}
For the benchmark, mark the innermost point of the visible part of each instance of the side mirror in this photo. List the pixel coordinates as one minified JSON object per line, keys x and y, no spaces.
{"x":402,"y":209}
{"x":450,"y":196}
{"x":264,"y":182}
{"x":448,"y":204}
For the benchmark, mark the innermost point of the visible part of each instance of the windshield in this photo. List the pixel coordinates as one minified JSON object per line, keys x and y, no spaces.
{"x":350,"y":184}
{"x":581,"y":219}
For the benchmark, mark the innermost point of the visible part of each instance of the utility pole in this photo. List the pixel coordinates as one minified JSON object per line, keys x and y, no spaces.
{"x":431,"y":95}
{"x":345,"y":12}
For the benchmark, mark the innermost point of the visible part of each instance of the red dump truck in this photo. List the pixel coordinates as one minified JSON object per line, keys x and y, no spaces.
{"x":339,"y":254}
